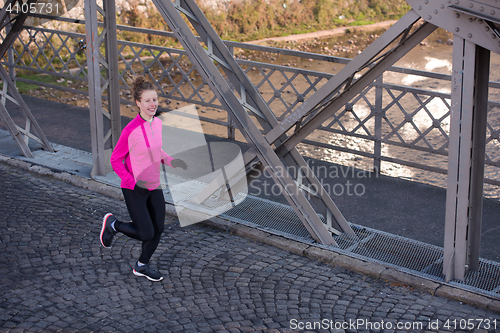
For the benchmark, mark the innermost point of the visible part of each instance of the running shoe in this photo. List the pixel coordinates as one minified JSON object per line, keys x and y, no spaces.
{"x":107,"y":232}
{"x":148,"y":272}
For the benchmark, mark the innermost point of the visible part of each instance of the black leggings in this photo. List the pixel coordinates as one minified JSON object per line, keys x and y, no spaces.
{"x":147,"y":212}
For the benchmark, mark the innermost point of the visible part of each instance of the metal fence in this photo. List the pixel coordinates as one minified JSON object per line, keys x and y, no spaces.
{"x":401,"y":125}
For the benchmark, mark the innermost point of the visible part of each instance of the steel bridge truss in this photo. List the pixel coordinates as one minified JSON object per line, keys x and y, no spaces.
{"x":31,"y":130}
{"x":274,"y":139}
{"x":475,"y":27}
{"x":239,"y":95}
{"x":274,"y":149}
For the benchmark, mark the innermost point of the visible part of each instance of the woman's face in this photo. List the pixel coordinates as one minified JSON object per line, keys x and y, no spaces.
{"x":148,"y":104}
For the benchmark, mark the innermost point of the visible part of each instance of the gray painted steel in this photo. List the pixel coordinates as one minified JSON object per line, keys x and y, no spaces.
{"x":249,"y":100}
{"x":31,"y":130}
{"x":465,"y":163}
{"x":472,"y":21}
{"x":96,"y":62}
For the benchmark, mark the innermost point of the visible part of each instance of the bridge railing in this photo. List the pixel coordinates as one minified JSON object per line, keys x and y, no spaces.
{"x":406,"y":126}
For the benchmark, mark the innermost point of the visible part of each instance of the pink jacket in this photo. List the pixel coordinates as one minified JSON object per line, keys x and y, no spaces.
{"x":139,"y":146}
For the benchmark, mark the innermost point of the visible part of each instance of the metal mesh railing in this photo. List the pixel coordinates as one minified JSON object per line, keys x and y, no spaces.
{"x":411,"y":256}
{"x":387,"y":122}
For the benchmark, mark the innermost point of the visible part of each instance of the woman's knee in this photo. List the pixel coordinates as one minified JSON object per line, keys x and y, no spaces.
{"x":146,"y":235}
{"x":161,"y":227}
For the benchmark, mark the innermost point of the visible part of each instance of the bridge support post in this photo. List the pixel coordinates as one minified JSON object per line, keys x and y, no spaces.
{"x":99,"y":83}
{"x":464,"y":202}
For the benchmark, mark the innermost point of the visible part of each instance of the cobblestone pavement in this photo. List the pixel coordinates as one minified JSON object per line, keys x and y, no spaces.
{"x":56,"y":277}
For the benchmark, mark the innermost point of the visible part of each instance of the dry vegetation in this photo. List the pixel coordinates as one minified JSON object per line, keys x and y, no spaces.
{"x":256,"y":19}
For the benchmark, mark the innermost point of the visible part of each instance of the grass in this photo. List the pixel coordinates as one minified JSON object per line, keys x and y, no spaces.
{"x":242,"y":21}
{"x":24,"y":87}
{"x":258,"y":19}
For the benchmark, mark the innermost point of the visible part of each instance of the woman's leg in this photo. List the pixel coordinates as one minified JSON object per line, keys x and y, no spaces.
{"x":147,"y":212}
{"x":156,"y":208}
{"x":141,"y":227}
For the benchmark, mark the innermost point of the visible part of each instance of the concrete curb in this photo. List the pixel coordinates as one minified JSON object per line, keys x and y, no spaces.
{"x":327,"y":256}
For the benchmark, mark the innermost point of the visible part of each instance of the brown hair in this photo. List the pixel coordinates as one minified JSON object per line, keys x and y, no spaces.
{"x":140,"y":85}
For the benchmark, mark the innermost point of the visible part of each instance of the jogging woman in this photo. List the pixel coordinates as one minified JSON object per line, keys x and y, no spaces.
{"x":136,"y":159}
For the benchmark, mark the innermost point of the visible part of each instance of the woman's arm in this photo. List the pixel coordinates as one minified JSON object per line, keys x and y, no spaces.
{"x":166,"y":159}
{"x":118,"y":155}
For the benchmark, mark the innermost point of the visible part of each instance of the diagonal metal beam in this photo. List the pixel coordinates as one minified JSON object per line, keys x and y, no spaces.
{"x":31,"y":130}
{"x":221,"y":88}
{"x":343,"y":78}
{"x":473,"y":21}
{"x":251,"y":99}
{"x":16,"y":27}
{"x":323,"y":95}
{"x":321,"y":105}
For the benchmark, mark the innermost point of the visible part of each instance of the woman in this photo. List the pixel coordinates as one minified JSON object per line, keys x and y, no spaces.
{"x":136,"y":160}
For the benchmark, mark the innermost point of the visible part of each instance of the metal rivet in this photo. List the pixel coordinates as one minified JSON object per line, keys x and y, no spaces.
{"x":469,"y":35}
{"x":457,"y":2}
{"x":457,"y":15}
{"x":492,"y":12}
{"x":429,"y":17}
{"x":426,"y":2}
{"x":470,"y":19}
{"x":480,"y":21}
{"x":481,"y":8}
{"x":419,"y":7}
{"x":435,"y":11}
{"x":486,"y":28}
{"x":442,"y":6}
{"x":457,"y":29}
{"x":471,"y":5}
{"x":449,"y":1}
{"x":493,"y":36}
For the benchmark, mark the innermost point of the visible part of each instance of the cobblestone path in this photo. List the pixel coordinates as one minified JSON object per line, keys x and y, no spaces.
{"x":56,"y":277}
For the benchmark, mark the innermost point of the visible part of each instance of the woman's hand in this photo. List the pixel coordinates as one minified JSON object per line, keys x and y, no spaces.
{"x":178,"y":163}
{"x":140,"y":186}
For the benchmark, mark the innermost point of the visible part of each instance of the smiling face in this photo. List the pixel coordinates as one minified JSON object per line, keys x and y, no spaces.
{"x":148,"y":104}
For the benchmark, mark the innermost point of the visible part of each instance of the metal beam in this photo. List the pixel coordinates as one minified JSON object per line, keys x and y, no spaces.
{"x":466,"y":158}
{"x":324,"y":94}
{"x":251,"y":99}
{"x":471,"y":20}
{"x":238,"y":106}
{"x":482,"y":71}
{"x":16,"y":26}
{"x":113,"y":75}
{"x":9,"y":92}
{"x":99,"y":83}
{"x":322,"y":108}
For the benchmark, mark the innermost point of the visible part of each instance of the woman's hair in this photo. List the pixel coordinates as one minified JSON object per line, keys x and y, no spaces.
{"x":140,"y":85}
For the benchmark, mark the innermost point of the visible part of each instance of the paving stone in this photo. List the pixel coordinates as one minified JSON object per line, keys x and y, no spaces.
{"x":55,"y":276}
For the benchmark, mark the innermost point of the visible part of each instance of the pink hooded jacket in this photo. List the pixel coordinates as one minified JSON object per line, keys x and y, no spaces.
{"x":139,"y":146}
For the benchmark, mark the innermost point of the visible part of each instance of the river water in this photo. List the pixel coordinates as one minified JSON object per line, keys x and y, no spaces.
{"x":433,"y":55}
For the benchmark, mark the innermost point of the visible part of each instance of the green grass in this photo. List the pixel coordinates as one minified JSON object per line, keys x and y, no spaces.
{"x":24,"y":88}
{"x":258,"y":19}
{"x":360,"y":22}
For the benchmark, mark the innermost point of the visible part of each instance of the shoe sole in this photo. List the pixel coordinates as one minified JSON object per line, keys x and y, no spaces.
{"x":104,"y":228}
{"x":148,"y":277}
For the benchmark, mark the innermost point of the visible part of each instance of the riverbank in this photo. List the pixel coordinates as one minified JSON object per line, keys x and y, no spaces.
{"x":326,"y":33}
